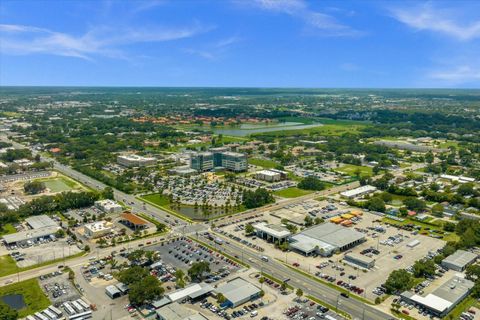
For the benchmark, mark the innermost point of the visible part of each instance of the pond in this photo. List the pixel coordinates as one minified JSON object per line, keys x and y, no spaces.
{"x":15,"y":301}
{"x":248,"y":128}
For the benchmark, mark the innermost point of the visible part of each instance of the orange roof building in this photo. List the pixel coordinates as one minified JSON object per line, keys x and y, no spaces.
{"x":133,"y":221}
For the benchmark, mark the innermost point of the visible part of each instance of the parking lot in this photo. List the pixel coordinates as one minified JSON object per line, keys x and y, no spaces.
{"x":182,"y":253}
{"x":387,"y":245}
{"x":41,"y":252}
{"x":58,"y":287}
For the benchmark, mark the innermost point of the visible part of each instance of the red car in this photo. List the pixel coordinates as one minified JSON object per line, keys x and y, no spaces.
{"x":296,"y":264}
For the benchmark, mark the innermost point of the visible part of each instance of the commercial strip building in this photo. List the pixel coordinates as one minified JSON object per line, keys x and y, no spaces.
{"x":325,"y":239}
{"x":134,"y":160}
{"x":358,"y":260}
{"x":42,"y":227}
{"x":237,"y":292}
{"x":357,"y":192}
{"x":175,"y":311}
{"x":97,"y":229}
{"x":192,"y":292}
{"x":108,"y":206}
{"x":443,"y":299}
{"x":459,"y":260}
{"x":271,"y":175}
{"x":460,"y":179}
{"x":207,"y":161}
{"x":271,"y":232}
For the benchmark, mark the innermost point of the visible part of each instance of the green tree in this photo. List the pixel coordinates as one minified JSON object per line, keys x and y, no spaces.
{"x":415,"y":204}
{"x":146,"y":289}
{"x":249,"y":229}
{"x":398,"y":280}
{"x":7,"y":313}
{"x":221,"y":298}
{"x":33,"y":187}
{"x":376,"y":204}
{"x":424,"y":268}
{"x":198,"y":270}
{"x":132,"y":275}
{"x":299,"y":293}
{"x":311,"y":183}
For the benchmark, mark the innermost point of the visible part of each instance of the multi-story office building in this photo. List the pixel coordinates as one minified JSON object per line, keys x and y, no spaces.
{"x":234,"y":161}
{"x":133,"y":160}
{"x":217,"y":157}
{"x":202,"y":161}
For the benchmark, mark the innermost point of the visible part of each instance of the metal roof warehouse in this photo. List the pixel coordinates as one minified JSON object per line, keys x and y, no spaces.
{"x":237,"y":292}
{"x":325,"y":239}
{"x":460,"y":260}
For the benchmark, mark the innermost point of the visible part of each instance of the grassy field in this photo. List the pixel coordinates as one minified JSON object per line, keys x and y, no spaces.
{"x":35,"y":299}
{"x":292,"y":192}
{"x":7,"y":265}
{"x":351,"y":170}
{"x":466,"y":304}
{"x":7,"y":229}
{"x":433,"y":225}
{"x":264,"y":163}
{"x":60,"y":184}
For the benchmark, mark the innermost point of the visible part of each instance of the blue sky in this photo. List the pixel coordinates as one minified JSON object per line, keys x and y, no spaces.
{"x":266,"y":43}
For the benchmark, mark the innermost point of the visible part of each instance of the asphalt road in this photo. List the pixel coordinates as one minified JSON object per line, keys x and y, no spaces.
{"x":357,"y":309}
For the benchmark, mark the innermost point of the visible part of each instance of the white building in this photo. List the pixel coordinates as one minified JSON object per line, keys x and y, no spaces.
{"x":268,"y":175}
{"x":133,"y":160}
{"x":460,"y":179}
{"x":97,"y":229}
{"x":357,"y":192}
{"x":108,"y":206}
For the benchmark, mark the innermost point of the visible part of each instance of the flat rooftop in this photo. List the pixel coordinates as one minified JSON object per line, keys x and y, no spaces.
{"x":238,"y":290}
{"x":40,"y":221}
{"x":175,"y":311}
{"x":333,"y":234}
{"x":460,"y":258}
{"x":272,"y":229}
{"x":30,"y":234}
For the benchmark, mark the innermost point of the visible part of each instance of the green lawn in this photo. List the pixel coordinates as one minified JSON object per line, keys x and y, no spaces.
{"x":463,"y":306}
{"x":157,"y":199}
{"x":7,"y":229}
{"x":59,"y":184}
{"x":268,"y":164}
{"x":7,"y":265}
{"x":351,"y":170}
{"x":433,"y":225}
{"x":292,"y":192}
{"x":35,"y":299}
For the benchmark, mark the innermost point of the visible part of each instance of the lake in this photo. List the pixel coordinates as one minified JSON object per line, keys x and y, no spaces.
{"x":250,"y":128}
{"x":15,"y":301}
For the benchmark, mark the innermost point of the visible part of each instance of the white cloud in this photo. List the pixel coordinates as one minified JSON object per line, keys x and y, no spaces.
{"x":103,"y":41}
{"x":314,"y":19}
{"x":457,"y":75}
{"x":216,"y":50}
{"x":426,"y":17}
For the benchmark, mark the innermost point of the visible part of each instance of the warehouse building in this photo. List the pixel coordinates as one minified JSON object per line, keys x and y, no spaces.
{"x":443,"y":299}
{"x":325,"y":239}
{"x":97,"y":229}
{"x":113,"y":292}
{"x":134,"y":160}
{"x":271,"y":232}
{"x":358,"y":260}
{"x":108,"y":206}
{"x":42,"y":227}
{"x":193,"y":292}
{"x":177,"y":311}
{"x":41,"y":221}
{"x":459,"y":261}
{"x":237,"y":292}
{"x":357,"y":192}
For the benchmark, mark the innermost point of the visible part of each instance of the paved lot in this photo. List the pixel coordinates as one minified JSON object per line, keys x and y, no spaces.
{"x":58,"y":288}
{"x":334,"y":266}
{"x":182,"y":253}
{"x":46,"y":252}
